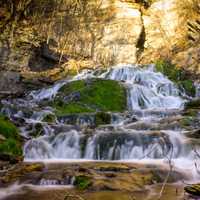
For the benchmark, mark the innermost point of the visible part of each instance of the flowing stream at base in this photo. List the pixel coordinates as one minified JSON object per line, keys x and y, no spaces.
{"x":143,"y":134}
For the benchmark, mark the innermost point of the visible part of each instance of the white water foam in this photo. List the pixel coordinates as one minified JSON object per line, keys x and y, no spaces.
{"x":150,"y":96}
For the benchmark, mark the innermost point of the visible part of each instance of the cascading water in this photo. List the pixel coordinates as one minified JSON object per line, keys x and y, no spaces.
{"x":147,"y":89}
{"x":151,"y":98}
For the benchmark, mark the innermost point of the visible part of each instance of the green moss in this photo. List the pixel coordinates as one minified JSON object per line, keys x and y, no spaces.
{"x":49,"y":118}
{"x":90,"y":96}
{"x":102,"y":118}
{"x":168,"y":70}
{"x":82,"y":182}
{"x":176,"y":75}
{"x":71,"y":108}
{"x":188,"y":86}
{"x":72,"y":87}
{"x":107,"y":95}
{"x":12,"y":144}
{"x":8,"y":129}
{"x":190,"y":113}
{"x":187,"y":121}
{"x":37,"y":131}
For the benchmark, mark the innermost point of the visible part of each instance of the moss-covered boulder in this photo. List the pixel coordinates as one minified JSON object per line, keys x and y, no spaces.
{"x":50,"y":118}
{"x":92,"y":95}
{"x":91,"y":120}
{"x":193,"y":104}
{"x":102,"y":118}
{"x":177,"y":75}
{"x":82,"y":182}
{"x":12,"y":143}
{"x":190,"y":115}
{"x":36,"y":130}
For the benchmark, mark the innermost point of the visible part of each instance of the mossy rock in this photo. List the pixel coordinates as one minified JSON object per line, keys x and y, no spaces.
{"x":12,"y":144}
{"x":87,"y":96}
{"x":33,"y":167}
{"x":102,"y":118}
{"x":188,"y":86}
{"x":190,"y":122}
{"x":37,"y":130}
{"x":186,"y":121}
{"x":20,"y":171}
{"x":177,"y":75}
{"x":190,"y":113}
{"x":193,"y":104}
{"x":8,"y":129}
{"x":82,"y":182}
{"x":50,"y":118}
{"x":63,"y":109}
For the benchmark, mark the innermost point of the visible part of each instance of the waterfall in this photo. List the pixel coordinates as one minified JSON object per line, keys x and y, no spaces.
{"x":64,"y":145}
{"x":138,"y":136}
{"x":147,"y":89}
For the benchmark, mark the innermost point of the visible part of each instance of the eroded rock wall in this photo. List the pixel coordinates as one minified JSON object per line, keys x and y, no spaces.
{"x":100,"y":32}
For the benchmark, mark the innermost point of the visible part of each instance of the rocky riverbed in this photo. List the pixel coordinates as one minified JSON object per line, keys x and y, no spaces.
{"x":129,"y":130}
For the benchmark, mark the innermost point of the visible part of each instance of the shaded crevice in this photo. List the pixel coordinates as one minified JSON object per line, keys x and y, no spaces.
{"x":142,"y":38}
{"x":194,"y":31}
{"x":44,"y":58}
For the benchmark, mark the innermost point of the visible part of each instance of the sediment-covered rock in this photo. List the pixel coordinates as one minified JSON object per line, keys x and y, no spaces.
{"x":92,"y":176}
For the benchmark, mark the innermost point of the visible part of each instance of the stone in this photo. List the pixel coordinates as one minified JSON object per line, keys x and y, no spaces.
{"x":193,"y":189}
{"x":194,"y":134}
{"x":2,"y":138}
{"x":93,"y":176}
{"x":194,"y":103}
{"x":10,"y":83}
{"x":11,"y":159}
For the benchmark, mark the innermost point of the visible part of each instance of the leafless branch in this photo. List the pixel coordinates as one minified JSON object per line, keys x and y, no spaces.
{"x":168,"y":174}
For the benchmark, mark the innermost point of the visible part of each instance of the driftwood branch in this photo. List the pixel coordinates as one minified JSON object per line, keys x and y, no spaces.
{"x":168,"y":174}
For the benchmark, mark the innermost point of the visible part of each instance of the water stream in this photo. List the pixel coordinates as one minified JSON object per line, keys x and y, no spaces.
{"x":143,"y":134}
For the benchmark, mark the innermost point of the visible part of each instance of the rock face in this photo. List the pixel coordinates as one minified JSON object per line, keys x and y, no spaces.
{"x":120,"y":36}
{"x":10,"y":84}
{"x":171,"y":33}
{"x":104,"y":32}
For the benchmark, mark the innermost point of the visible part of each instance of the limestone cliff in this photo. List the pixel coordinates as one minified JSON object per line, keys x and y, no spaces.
{"x":38,"y":35}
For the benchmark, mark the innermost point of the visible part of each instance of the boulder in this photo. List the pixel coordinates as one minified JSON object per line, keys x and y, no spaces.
{"x":193,"y":189}
{"x":10,"y":84}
